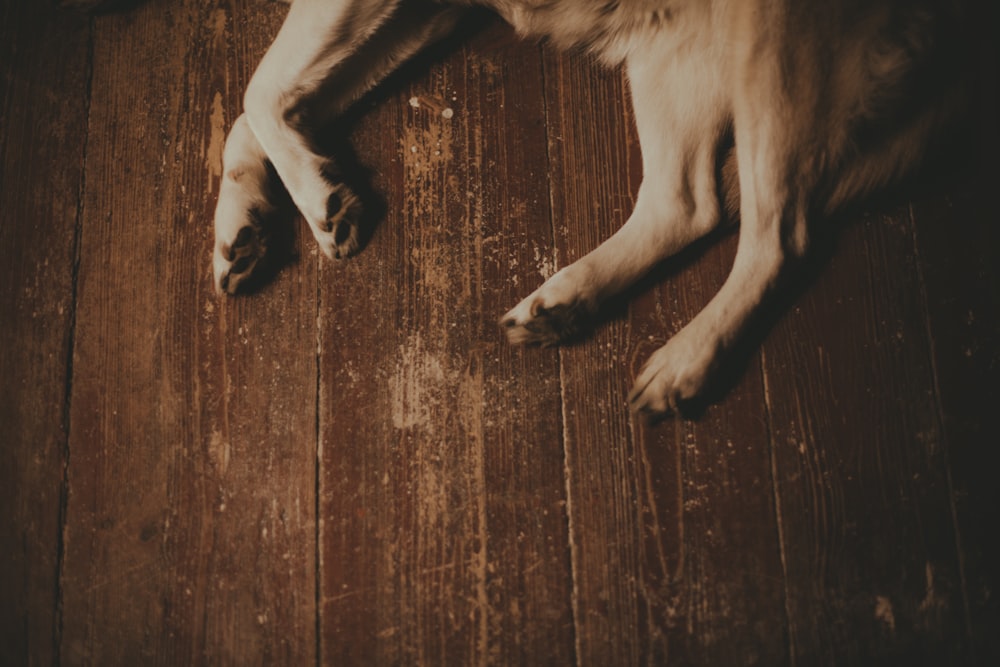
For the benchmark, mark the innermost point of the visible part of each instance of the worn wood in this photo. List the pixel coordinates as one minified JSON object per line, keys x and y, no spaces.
{"x":351,"y":466}
{"x":675,"y":557}
{"x":957,"y":242}
{"x":860,"y":469}
{"x":43,"y":101}
{"x":958,"y":249}
{"x":444,"y":521}
{"x":190,"y":524}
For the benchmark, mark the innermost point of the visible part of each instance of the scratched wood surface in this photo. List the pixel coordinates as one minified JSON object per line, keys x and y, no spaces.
{"x":962,"y":287}
{"x":660,"y":575}
{"x":351,"y":466}
{"x":43,"y":65}
{"x":189,"y":527}
{"x":444,"y":533}
{"x":860,"y":470}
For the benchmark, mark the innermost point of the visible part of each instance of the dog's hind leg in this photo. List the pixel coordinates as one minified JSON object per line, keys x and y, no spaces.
{"x":681,"y":111}
{"x":326,"y":55}
{"x":776,"y":143}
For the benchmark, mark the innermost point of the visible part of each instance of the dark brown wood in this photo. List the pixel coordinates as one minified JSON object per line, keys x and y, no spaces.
{"x":43,"y":101}
{"x":444,"y":519}
{"x":190,"y":525}
{"x":958,"y":245}
{"x":351,"y":466}
{"x":675,"y":556}
{"x":860,"y":468}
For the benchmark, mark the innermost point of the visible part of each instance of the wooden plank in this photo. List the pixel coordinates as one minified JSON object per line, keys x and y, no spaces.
{"x":859,"y":463}
{"x":444,"y":526}
{"x":43,"y":101}
{"x":190,"y":527}
{"x":675,"y":550}
{"x":959,"y":252}
{"x":958,"y":246}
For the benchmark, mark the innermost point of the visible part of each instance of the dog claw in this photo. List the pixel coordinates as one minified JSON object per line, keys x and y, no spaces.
{"x":235,"y":262}
{"x":556,"y":312}
{"x":546,"y":325}
{"x":675,"y":375}
{"x":338,"y":235}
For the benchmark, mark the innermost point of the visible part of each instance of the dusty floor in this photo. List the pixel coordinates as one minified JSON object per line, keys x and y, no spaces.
{"x":351,"y":466}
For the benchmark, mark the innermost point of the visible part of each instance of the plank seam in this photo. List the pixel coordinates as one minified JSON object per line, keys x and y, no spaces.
{"x":70,"y":348}
{"x":573,"y":555}
{"x":776,"y":498}
{"x":318,"y":470}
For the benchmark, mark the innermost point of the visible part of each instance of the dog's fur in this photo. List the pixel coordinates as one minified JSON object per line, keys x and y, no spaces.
{"x":824,"y":99}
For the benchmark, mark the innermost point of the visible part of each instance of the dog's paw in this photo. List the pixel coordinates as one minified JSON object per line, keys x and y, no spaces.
{"x":556,"y":312}
{"x":338,"y":235}
{"x":545,"y":325}
{"x":675,"y":374}
{"x":236,"y":256}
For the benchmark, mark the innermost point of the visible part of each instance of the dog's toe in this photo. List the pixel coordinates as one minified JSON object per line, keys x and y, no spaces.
{"x":538,"y":324}
{"x":558,"y":311}
{"x":235,"y":261}
{"x":674,"y":376}
{"x":339,"y":234}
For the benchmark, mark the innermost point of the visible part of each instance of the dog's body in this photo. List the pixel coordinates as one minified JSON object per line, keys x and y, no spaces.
{"x":824,"y":99}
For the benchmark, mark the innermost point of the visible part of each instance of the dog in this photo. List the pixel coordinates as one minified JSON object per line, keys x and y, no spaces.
{"x":820,"y":101}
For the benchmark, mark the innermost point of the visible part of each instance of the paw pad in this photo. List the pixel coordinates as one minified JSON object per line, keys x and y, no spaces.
{"x":235,"y":261}
{"x":337,"y":235}
{"x":547,"y":325}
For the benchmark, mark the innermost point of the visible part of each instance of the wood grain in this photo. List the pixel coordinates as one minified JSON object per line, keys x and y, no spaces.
{"x":190,"y":525}
{"x":444,"y":520}
{"x":675,"y":554}
{"x":352,"y":466}
{"x":43,"y":101}
{"x":859,"y":463}
{"x":958,"y":250}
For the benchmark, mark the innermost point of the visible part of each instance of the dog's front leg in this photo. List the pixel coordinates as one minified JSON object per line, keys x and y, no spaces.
{"x":776,"y":181}
{"x":681,"y":110}
{"x":326,"y":55}
{"x":246,"y":201}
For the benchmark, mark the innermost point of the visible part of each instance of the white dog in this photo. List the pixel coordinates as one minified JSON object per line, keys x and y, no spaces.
{"x":824,"y":99}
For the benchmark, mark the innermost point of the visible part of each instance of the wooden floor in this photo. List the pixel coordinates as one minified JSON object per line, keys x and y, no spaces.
{"x":351,"y":466}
